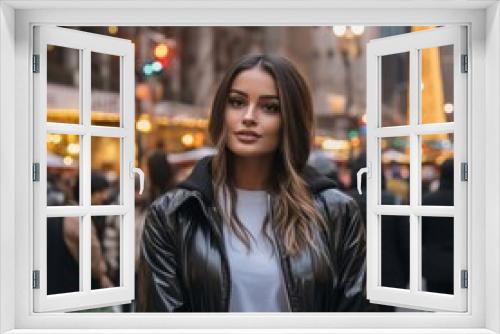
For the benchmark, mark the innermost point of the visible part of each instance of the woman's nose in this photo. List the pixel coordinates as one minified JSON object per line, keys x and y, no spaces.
{"x":249,"y":116}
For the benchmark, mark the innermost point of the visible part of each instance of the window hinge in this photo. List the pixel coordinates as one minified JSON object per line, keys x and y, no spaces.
{"x":465,"y":66}
{"x":36,"y":63}
{"x":36,"y":172}
{"x":464,"y":279}
{"x":36,"y":279}
{"x":464,"y":171}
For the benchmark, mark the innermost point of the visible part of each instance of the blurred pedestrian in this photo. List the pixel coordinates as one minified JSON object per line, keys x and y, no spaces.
{"x":63,"y":245}
{"x":437,"y":236}
{"x":160,"y":172}
{"x":100,"y":191}
{"x":323,"y":164}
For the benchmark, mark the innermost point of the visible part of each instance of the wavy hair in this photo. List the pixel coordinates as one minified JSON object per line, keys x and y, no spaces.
{"x":292,"y":203}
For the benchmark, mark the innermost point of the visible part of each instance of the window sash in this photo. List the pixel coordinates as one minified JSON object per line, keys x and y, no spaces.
{"x":413,"y":297}
{"x":85,"y":43}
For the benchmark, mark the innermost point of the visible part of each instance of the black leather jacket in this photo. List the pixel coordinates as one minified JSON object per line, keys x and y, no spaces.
{"x":185,"y":267}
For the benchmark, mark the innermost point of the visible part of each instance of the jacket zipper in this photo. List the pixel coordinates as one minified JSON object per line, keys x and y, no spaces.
{"x":280,"y":257}
{"x":225,"y":262}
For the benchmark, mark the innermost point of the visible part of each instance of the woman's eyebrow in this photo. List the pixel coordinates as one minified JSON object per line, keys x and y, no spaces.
{"x":238,"y":91}
{"x":269,"y":97}
{"x":262,"y":96}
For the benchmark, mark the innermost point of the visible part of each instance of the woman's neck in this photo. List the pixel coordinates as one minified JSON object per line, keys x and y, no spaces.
{"x":252,"y":173}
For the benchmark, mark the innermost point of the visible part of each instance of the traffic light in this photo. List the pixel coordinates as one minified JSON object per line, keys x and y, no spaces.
{"x":164,"y":51}
{"x":153,"y":67}
{"x":161,"y":50}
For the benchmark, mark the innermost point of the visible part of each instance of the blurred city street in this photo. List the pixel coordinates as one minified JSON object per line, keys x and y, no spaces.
{"x":177,"y":70}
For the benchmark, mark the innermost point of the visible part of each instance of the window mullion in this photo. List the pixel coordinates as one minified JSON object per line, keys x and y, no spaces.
{"x":414,"y":88}
{"x":127,"y":117}
{"x":85,"y":244}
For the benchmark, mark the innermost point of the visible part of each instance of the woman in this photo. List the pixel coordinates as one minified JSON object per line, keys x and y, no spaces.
{"x":253,"y":228}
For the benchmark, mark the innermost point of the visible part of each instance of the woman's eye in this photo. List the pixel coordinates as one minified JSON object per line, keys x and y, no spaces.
{"x":235,"y":102}
{"x":273,"y":107}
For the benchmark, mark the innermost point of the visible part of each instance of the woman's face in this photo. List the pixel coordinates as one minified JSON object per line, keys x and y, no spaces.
{"x":253,"y":114}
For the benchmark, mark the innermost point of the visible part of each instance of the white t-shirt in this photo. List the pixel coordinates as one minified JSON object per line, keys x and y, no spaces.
{"x":257,"y":283}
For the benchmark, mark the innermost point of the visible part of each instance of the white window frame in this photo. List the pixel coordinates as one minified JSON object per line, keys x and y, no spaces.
{"x":85,"y":44}
{"x":413,"y":43}
{"x":16,"y":20}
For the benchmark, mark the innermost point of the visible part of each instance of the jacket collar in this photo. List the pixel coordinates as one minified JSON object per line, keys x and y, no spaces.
{"x":200,"y":179}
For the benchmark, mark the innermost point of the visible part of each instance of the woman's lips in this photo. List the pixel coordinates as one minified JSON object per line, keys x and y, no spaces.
{"x":247,"y":138}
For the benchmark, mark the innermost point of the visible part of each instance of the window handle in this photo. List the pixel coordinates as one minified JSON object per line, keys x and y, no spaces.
{"x":134,"y":170}
{"x":359,"y":174}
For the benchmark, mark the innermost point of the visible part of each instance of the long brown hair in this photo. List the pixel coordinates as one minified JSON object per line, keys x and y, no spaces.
{"x":292,"y":204}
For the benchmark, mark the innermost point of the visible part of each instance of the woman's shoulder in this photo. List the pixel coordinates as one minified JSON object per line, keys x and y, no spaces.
{"x":325,"y":188}
{"x":334,"y":196}
{"x":339,"y":205}
{"x":343,"y":214}
{"x":170,"y":201}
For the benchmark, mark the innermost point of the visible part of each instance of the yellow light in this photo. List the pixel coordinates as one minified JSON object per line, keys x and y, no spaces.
{"x":357,"y":30}
{"x":334,"y":144}
{"x":55,"y":139}
{"x":73,"y":148}
{"x":113,"y":30}
{"x":68,"y":161}
{"x":161,"y":50}
{"x":339,"y":30}
{"x":142,"y":91}
{"x":143,"y":124}
{"x":448,"y":108}
{"x":187,"y":139}
{"x":336,"y":103}
{"x":328,"y":144}
{"x":198,"y":139}
{"x":318,"y":140}
{"x":355,"y":141}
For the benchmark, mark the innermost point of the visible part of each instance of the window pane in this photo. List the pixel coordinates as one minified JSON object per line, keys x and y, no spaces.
{"x":395,"y":251}
{"x":395,"y":170}
{"x":437,"y":84}
{"x":437,"y":254}
{"x":105,"y":251}
{"x":105,"y":89}
{"x":437,"y":169}
{"x":63,"y":155}
{"x":63,"y":93}
{"x":395,"y":69}
{"x":105,"y":179}
{"x":63,"y":249}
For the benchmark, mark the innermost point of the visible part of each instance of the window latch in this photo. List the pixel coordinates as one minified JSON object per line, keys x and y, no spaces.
{"x":134,"y":170}
{"x":363,"y":170}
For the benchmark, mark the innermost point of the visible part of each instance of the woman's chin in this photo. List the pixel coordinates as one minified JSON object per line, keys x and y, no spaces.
{"x":249,"y":152}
